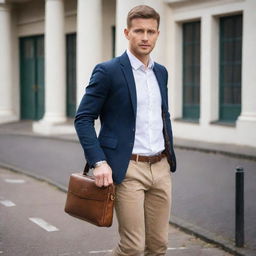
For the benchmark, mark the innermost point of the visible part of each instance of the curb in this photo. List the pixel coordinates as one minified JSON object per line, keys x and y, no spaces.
{"x":216,"y":151}
{"x":176,"y":145}
{"x":209,"y":237}
{"x":186,"y":227}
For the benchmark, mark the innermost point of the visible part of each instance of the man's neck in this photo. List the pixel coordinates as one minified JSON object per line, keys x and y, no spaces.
{"x":143,"y":58}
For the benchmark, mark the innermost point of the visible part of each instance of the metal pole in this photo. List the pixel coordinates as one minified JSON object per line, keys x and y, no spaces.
{"x":239,"y":207}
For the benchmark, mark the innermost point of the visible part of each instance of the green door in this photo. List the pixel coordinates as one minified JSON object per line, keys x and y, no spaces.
{"x":71,"y":75}
{"x":32,"y":77}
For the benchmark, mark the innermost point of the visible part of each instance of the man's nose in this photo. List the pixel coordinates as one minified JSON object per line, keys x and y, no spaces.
{"x":145,"y":36}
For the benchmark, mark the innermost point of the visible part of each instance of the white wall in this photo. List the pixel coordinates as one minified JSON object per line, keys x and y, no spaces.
{"x":28,"y":19}
{"x":16,"y":66}
{"x":108,"y":20}
{"x":208,"y":12}
{"x":7,"y":104}
{"x":70,"y":16}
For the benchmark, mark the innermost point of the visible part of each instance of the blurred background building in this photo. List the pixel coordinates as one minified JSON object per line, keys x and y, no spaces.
{"x":48,"y":49}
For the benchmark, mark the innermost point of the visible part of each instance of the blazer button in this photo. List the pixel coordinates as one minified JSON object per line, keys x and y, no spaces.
{"x":131,"y":144}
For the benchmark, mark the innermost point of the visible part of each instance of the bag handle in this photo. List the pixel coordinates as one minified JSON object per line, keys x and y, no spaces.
{"x":85,"y":172}
{"x":86,"y":169}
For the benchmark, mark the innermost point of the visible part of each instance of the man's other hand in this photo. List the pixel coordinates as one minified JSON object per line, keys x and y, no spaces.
{"x":103,"y":175}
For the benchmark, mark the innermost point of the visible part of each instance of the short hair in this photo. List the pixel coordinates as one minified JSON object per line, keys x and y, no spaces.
{"x":144,"y":12}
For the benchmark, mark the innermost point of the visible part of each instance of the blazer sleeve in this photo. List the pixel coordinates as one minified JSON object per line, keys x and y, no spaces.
{"x":88,"y":111}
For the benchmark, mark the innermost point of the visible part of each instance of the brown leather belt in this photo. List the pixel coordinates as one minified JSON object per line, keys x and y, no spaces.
{"x":148,"y":159}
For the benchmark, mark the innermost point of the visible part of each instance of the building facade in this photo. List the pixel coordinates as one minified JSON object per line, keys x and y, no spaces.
{"x":48,"y":49}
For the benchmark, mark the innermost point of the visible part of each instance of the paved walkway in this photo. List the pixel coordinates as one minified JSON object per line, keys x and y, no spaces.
{"x":33,"y":223}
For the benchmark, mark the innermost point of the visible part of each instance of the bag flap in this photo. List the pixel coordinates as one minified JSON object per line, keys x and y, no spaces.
{"x":84,"y":187}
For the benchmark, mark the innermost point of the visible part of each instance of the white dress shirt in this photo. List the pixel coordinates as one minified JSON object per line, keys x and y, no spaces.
{"x":149,"y":138}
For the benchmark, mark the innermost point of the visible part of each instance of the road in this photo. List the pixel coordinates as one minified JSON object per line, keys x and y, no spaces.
{"x":32,"y":222}
{"x":203,"y":186}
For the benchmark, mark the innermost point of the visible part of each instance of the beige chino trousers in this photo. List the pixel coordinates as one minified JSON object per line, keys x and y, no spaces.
{"x":143,"y":202}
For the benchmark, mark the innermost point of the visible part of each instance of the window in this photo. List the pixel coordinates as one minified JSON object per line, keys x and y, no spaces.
{"x":191,"y":70}
{"x":230,"y":67}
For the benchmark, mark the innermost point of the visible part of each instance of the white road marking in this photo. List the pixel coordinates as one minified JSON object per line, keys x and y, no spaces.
{"x":103,"y":251}
{"x":43,"y":224}
{"x":169,"y":249}
{"x":15,"y":181}
{"x":176,"y":248}
{"x":7,"y":203}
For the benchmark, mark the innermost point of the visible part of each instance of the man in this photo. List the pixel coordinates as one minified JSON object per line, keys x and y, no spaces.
{"x":135,"y":143}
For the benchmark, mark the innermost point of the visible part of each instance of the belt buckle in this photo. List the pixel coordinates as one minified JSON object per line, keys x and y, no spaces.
{"x":151,"y":160}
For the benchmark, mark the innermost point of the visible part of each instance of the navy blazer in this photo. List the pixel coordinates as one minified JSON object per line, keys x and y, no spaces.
{"x":111,"y":95}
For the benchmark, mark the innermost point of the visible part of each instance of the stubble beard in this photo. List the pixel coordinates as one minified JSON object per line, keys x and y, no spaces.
{"x":145,"y":52}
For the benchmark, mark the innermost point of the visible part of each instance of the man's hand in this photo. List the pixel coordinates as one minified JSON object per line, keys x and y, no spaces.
{"x":103,"y":175}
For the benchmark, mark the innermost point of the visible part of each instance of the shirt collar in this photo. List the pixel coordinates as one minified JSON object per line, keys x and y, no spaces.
{"x":137,"y":64}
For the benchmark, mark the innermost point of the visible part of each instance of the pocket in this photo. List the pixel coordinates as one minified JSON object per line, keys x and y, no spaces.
{"x":165,"y":166}
{"x":108,"y":142}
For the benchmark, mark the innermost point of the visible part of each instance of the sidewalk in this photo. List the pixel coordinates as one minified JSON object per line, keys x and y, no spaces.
{"x":246,"y":152}
{"x":28,"y":208}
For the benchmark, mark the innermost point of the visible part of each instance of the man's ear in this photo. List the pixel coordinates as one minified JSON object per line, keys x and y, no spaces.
{"x":126,"y":33}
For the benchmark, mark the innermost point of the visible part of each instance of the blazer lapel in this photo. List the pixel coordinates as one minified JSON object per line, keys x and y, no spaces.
{"x":127,"y":70}
{"x":128,"y":74}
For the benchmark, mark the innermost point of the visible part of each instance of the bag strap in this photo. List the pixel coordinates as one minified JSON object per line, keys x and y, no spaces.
{"x":86,"y":169}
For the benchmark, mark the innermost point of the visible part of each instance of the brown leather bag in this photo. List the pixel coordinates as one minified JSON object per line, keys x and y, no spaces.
{"x":88,"y":202}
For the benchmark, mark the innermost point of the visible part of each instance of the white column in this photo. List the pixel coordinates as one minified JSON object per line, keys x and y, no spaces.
{"x":6,"y":74}
{"x":246,"y":123}
{"x":89,"y":41}
{"x":209,"y":87}
{"x":122,"y":9}
{"x":55,"y":73}
{"x":174,"y":42}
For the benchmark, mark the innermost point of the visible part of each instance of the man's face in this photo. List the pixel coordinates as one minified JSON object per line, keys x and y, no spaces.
{"x":142,"y":36}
